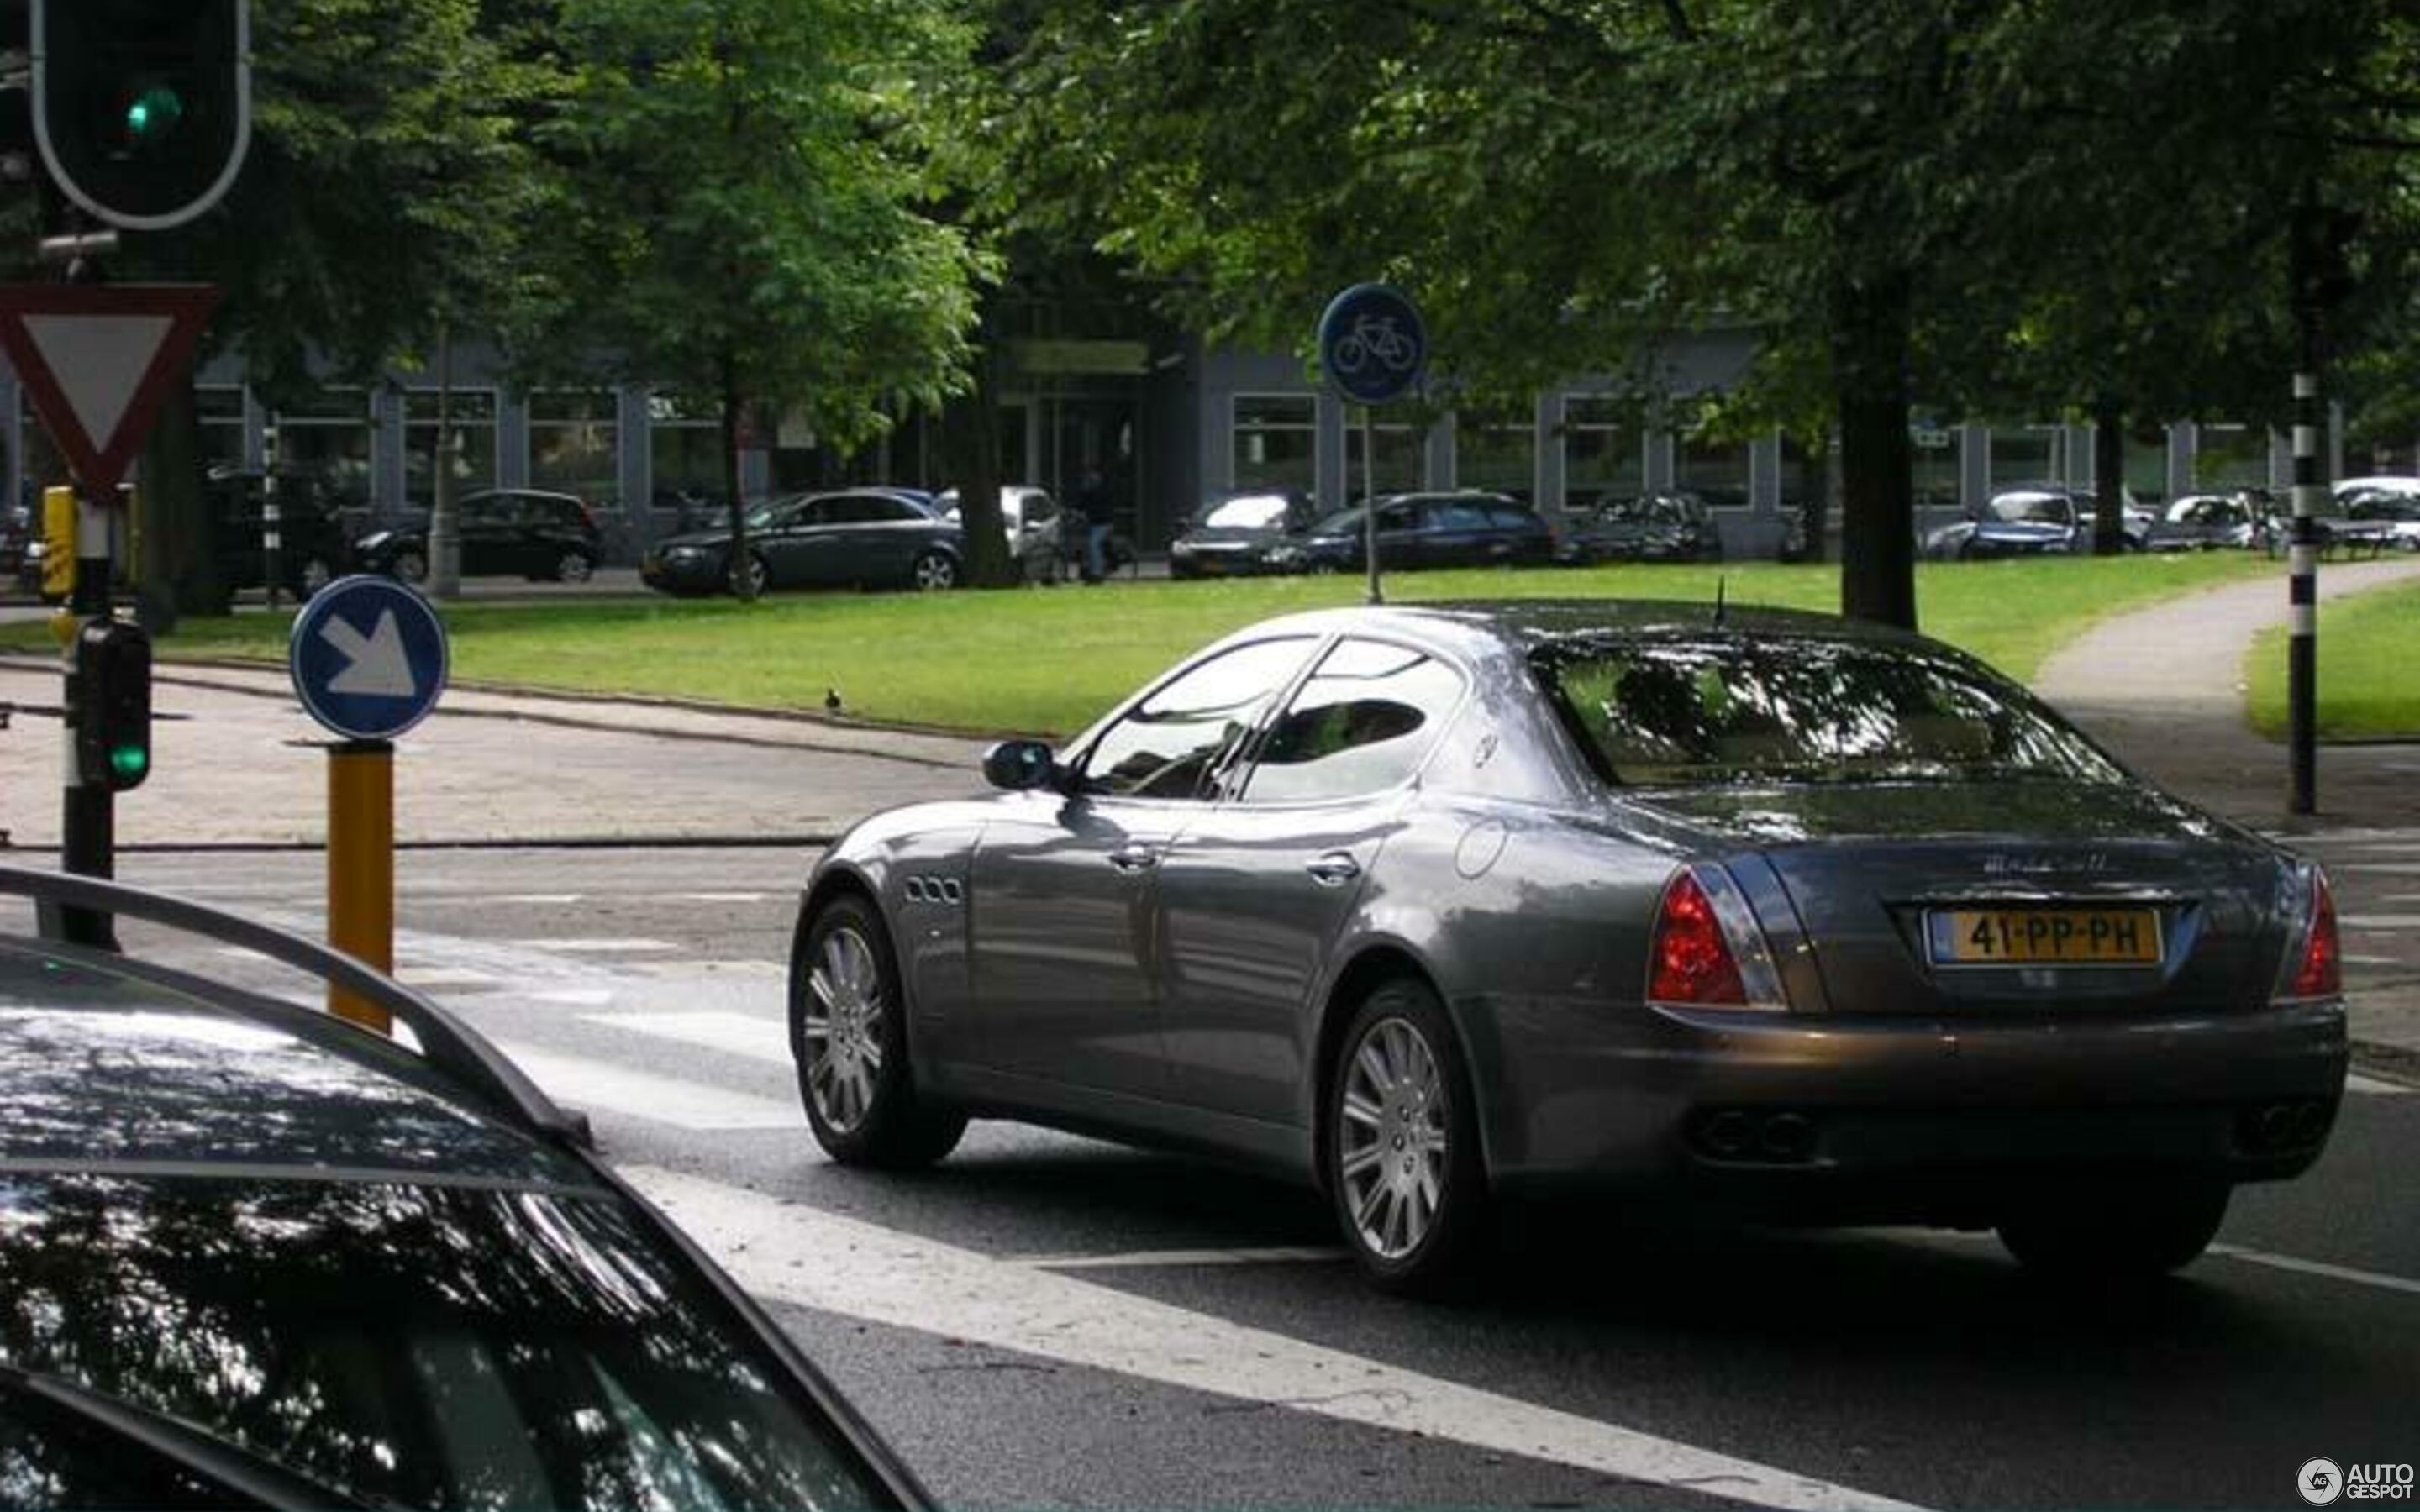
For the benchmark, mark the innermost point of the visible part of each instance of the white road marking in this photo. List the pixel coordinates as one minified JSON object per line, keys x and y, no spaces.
{"x":601,"y":1085}
{"x":733,"y":1034}
{"x":2395,"y":869}
{"x":240,"y":952}
{"x":551,"y":898}
{"x":616,"y":946}
{"x":1272,"y":1254}
{"x":2382,"y":921}
{"x":575,"y":997}
{"x":2373,"y":961}
{"x":904,"y":1281}
{"x":2371,"y":1086}
{"x":2319,"y":1268}
{"x":724,"y":896}
{"x":446,"y":976}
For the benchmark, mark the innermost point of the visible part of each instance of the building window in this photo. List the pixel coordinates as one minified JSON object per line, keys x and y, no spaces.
{"x":575,"y":444}
{"x":219,"y":408}
{"x":2146,"y":466}
{"x":2231,"y":457}
{"x":1276,"y":441}
{"x":1497,"y":453}
{"x":1602,"y":453}
{"x":327,"y":436}
{"x":1394,"y":448}
{"x":684,"y":458}
{"x":471,"y":457}
{"x":1935,"y":465}
{"x":2027,"y":454}
{"x":1714,"y":471}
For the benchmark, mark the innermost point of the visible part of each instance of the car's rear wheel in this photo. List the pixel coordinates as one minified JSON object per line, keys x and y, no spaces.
{"x":933,"y":572}
{"x":315,"y":572}
{"x":760,"y":576}
{"x":1403,"y":1145}
{"x":2116,"y":1234}
{"x":848,"y":1035}
{"x":410,"y":566}
{"x":573,"y":567}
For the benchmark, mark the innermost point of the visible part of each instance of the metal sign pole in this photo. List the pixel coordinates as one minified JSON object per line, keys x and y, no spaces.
{"x":88,"y":816}
{"x":360,"y":868}
{"x":1369,"y":503}
{"x":271,"y":543}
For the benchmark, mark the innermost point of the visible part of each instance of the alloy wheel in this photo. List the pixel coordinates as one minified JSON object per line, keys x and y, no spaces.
{"x":575,"y":567}
{"x":844,"y":1029}
{"x":935,"y":572}
{"x":1392,"y":1148}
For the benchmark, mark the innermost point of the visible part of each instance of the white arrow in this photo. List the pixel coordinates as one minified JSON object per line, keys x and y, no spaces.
{"x":379,"y":669}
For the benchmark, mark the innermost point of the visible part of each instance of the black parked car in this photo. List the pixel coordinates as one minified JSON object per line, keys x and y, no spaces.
{"x":1228,"y":536}
{"x":865,"y":537}
{"x":254,"y":1255}
{"x":2030,"y":520}
{"x":1656,"y":527}
{"x":521,"y":532}
{"x":2203,"y":522}
{"x":315,"y":542}
{"x":1420,"y":529}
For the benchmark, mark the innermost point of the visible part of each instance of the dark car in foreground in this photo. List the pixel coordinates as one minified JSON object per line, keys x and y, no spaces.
{"x":254,"y":1255}
{"x":1434,"y":906}
{"x":1657,"y":527}
{"x":861,"y":537}
{"x":1418,"y":530}
{"x":520,"y":532}
{"x":1228,"y":537}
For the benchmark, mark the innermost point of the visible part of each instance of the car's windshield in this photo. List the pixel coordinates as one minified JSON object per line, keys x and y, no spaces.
{"x":463,"y":1345}
{"x":1340,"y":522}
{"x":1247,"y":512}
{"x":1727,"y":710}
{"x":2046,"y":508}
{"x":766,"y":515}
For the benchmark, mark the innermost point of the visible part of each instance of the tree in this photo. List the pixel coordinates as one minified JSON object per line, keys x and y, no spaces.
{"x":743,"y":187}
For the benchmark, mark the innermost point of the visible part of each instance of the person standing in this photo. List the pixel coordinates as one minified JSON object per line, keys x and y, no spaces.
{"x":1091,"y":501}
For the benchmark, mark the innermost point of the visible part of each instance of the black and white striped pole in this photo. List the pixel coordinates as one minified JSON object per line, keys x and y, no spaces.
{"x":272,"y":540}
{"x":2302,"y":580}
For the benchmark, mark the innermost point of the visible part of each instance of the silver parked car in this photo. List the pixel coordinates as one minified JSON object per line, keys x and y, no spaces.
{"x":1435,"y":906}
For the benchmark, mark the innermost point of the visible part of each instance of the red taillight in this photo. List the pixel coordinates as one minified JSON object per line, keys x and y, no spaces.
{"x":1690,"y":961}
{"x":2321,"y":972}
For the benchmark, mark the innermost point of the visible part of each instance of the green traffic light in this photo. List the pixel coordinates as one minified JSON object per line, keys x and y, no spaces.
{"x":154,"y":115}
{"x":129,"y":762}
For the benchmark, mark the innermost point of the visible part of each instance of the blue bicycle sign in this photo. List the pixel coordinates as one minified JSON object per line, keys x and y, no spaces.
{"x":1371,"y":344}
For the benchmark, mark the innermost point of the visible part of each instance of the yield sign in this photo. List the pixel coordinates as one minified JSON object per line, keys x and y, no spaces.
{"x":98,"y":360}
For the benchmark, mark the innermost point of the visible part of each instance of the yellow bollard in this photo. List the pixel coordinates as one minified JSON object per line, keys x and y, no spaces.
{"x":361,"y":867}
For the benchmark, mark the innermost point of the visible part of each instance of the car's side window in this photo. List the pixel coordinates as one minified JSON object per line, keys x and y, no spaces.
{"x":1360,"y":724}
{"x":1461,"y":517}
{"x":1404,"y":517}
{"x":1168,"y":746}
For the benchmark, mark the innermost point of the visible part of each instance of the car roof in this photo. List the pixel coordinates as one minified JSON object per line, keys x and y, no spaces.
{"x":1521,"y":624}
{"x":130,"y":1064}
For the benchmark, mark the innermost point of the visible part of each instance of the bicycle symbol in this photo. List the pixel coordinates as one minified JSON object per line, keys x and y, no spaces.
{"x":1375,"y":337}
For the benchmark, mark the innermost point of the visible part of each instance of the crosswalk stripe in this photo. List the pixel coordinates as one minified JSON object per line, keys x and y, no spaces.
{"x":906,"y":1281}
{"x":1149,"y":1259}
{"x":444,"y":977}
{"x":733,"y":1034}
{"x":619,"y":944}
{"x":2373,"y":1086}
{"x":2319,"y":1268}
{"x":720,"y":897}
{"x":600,"y":1085}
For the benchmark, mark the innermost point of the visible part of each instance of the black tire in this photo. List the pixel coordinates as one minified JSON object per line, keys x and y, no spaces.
{"x":410,"y":566}
{"x":934,"y":572}
{"x":573,"y":567}
{"x":2117,"y":1235}
{"x":1382,"y":1167}
{"x":760,"y":576}
{"x":864,"y":1109}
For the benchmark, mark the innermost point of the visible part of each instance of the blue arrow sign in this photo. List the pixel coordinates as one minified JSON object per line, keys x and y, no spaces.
{"x":1371,"y":344}
{"x":369,"y":657}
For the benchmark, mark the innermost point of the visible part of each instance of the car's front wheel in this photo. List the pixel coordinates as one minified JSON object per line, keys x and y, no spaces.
{"x":315,"y":574}
{"x":573,"y":567}
{"x":933,"y":572}
{"x":848,"y":1036}
{"x":1404,"y":1170}
{"x":410,"y":566}
{"x":2115,"y":1235}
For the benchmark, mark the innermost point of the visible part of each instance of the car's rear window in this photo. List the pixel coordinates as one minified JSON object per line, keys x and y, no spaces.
{"x":1681,"y":711}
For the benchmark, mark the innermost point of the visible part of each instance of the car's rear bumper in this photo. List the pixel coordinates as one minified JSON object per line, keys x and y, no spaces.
{"x":683,"y":577}
{"x":1907,"y":1115}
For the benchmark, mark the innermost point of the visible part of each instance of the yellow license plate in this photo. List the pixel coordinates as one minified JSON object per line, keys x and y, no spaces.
{"x":2044,"y":936}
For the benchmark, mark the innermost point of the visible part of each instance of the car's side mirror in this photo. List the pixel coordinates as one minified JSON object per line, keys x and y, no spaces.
{"x":1018,"y":766}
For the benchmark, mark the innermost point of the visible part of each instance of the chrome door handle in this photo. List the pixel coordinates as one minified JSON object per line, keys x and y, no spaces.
{"x":1334,"y":870}
{"x":1134,"y":858}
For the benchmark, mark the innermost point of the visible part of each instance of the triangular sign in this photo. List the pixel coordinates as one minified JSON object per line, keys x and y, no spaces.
{"x":98,"y":360}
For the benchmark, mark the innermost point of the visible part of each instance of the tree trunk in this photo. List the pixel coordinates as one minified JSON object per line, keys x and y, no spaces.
{"x":740,"y":584}
{"x":2108,"y":477}
{"x":445,"y":537}
{"x":970,"y":448}
{"x":1870,"y":351}
{"x":176,"y":565}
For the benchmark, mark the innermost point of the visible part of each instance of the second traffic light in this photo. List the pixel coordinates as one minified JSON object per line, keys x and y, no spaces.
{"x":113,"y":704}
{"x":143,"y":108}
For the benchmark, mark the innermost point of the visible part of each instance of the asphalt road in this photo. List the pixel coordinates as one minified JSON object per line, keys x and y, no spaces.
{"x":1047,"y":1321}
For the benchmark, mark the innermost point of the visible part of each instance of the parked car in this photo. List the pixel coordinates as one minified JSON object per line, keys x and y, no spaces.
{"x":314,"y":541}
{"x":2205,"y":521}
{"x":1038,"y":530}
{"x":1420,"y":529}
{"x":1228,"y":535}
{"x":1429,"y":906}
{"x":1656,"y":527}
{"x":2031,"y":520}
{"x":521,"y":532}
{"x":2389,"y":515}
{"x":254,"y":1255}
{"x":868,"y":538}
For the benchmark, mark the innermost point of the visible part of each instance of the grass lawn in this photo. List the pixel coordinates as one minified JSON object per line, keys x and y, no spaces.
{"x":1047,"y":660}
{"x":2369,"y":680}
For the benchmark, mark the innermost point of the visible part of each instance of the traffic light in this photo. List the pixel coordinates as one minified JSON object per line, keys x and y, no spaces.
{"x":113,"y":704}
{"x":143,"y":108}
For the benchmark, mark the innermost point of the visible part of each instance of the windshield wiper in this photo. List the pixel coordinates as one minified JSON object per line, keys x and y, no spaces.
{"x":222,"y":1463}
